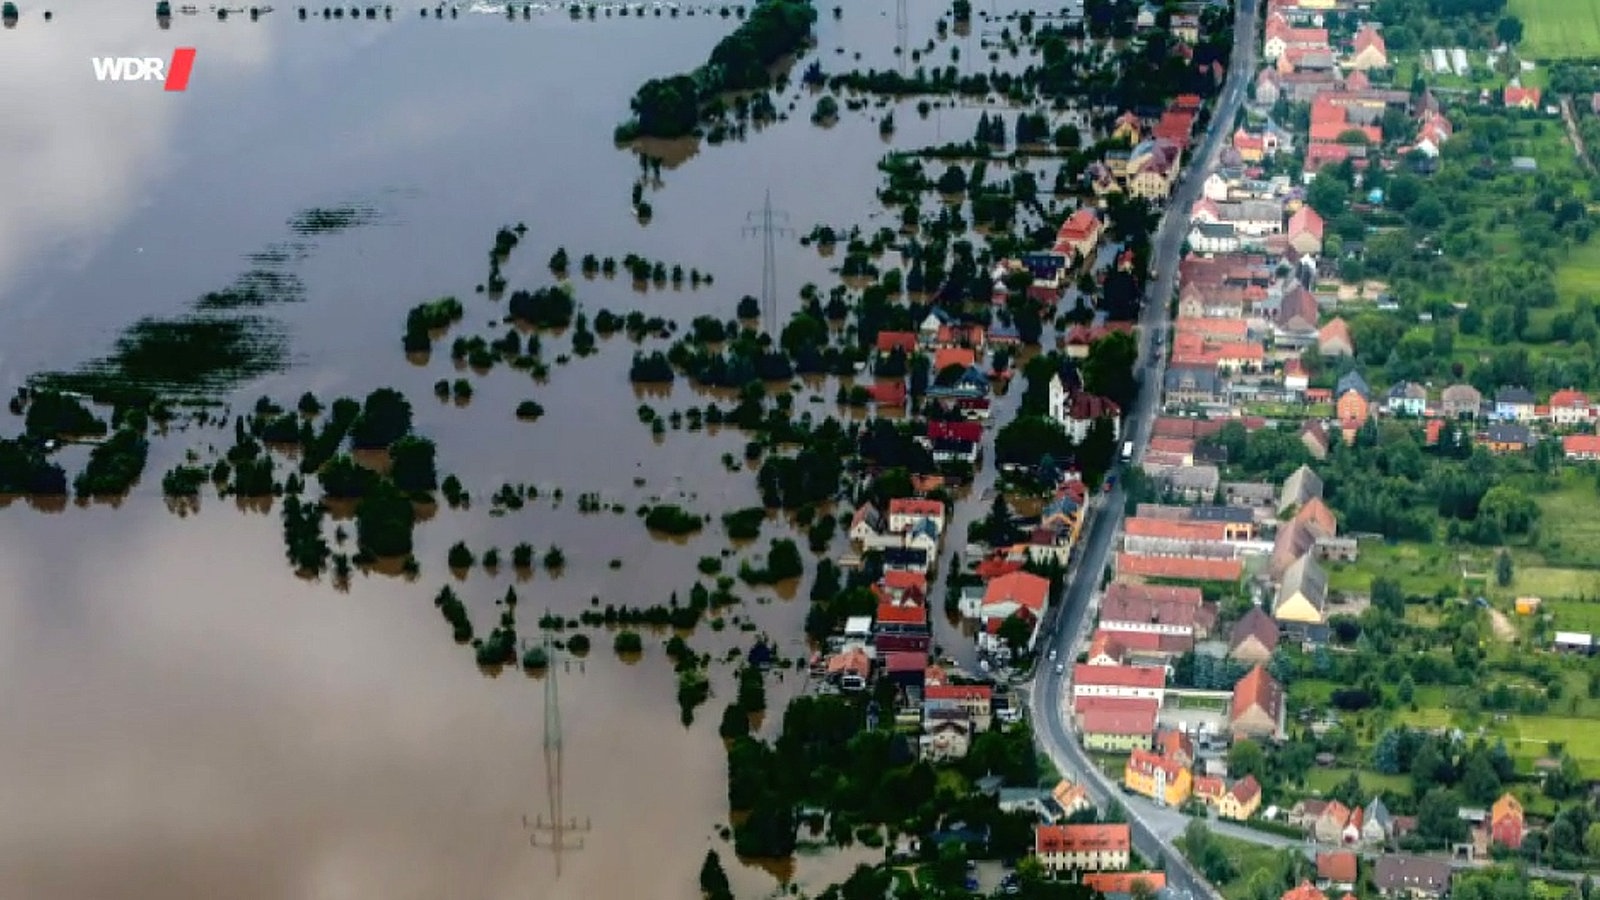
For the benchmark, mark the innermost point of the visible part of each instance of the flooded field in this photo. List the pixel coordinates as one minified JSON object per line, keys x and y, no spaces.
{"x":189,"y":719}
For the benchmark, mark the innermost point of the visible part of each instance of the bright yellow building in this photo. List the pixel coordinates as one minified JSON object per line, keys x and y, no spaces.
{"x":1154,"y":776}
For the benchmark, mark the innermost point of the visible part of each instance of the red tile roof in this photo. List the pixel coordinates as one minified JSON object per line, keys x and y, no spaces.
{"x":1304,"y":891}
{"x":905,"y":581}
{"x":916,"y":506}
{"x":939,"y":430}
{"x":1175,"y":530}
{"x":1123,"y":882}
{"x":1245,"y":790}
{"x":1337,"y":866}
{"x":896,"y":340}
{"x":1570,"y":399}
{"x":1119,"y":676}
{"x":1024,"y":588}
{"x":953,"y":356}
{"x":1081,"y":226}
{"x":891,"y":613}
{"x":1257,"y":689}
{"x":1123,"y":721}
{"x":891,"y":392}
{"x":1155,"y":593}
{"x":1305,"y":220}
{"x":1177,"y":567}
{"x":1147,"y":763}
{"x":1516,"y":96}
{"x":975,"y":692}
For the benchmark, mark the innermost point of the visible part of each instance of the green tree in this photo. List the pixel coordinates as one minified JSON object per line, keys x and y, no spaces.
{"x":412,"y":465}
{"x":1328,"y":195}
{"x":1502,"y":568}
{"x":713,"y":880}
{"x":384,"y":520}
{"x":1508,"y":30}
{"x":384,"y":419}
{"x":1015,"y":632}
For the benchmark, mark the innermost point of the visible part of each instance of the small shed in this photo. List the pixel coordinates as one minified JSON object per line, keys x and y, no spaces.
{"x":1527,"y":606}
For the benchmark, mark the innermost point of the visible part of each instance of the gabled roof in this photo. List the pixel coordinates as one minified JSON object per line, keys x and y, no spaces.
{"x":1570,"y":399}
{"x":1370,"y":36}
{"x":1338,"y":866}
{"x":1256,"y":689}
{"x":1119,"y":676}
{"x":1316,"y":514}
{"x":1024,"y":588}
{"x":896,"y":340}
{"x":1081,"y":838}
{"x":1335,"y":330}
{"x":1254,"y":624}
{"x":1245,"y":790}
{"x":917,"y":507}
{"x":1307,"y":579}
{"x":1517,"y":395}
{"x":1352,"y":381}
{"x":1305,"y":220}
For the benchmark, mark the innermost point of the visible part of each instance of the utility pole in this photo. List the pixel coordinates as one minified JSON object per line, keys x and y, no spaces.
{"x":560,"y":834}
{"x":769,"y":229}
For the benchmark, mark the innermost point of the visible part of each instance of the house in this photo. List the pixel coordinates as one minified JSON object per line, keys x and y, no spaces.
{"x":946,"y":735}
{"x":1461,"y":401}
{"x":1305,"y":231}
{"x":1298,"y":311}
{"x":1152,"y":177}
{"x":1254,"y":638}
{"x":1133,"y":682}
{"x":1214,"y":237}
{"x":1506,"y":828}
{"x":1303,"y":594}
{"x":1131,"y":884}
{"x":1167,"y":537}
{"x":1078,"y":411}
{"x":1329,"y":827}
{"x":1315,"y":439}
{"x":1407,"y":398}
{"x":1368,"y":51}
{"x":1581,"y":447}
{"x":1014,"y":594}
{"x":1298,"y":489}
{"x":905,"y":512}
{"x":1240,"y":801}
{"x":1082,"y":848}
{"x":1573,"y":642}
{"x":1257,"y":709}
{"x":850,"y":668}
{"x":1117,"y":724}
{"x":888,"y":392}
{"x":1353,"y":409}
{"x":975,"y":702}
{"x":1411,"y":877}
{"x":1337,"y":870}
{"x":866,"y":525}
{"x":1158,"y":777}
{"x":1333,"y":339}
{"x":1305,"y":890}
{"x":1135,"y":565}
{"x":1514,"y":404}
{"x":903,"y":341}
{"x":1080,"y":232}
{"x":1185,"y":384}
{"x":1186,"y":27}
{"x":1570,"y":407}
{"x":1377,"y":826}
{"x":1516,"y":97}
{"x":1505,"y":437}
{"x":1070,"y":798}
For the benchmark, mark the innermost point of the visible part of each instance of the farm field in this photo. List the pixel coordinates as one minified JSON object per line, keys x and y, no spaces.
{"x":1558,"y":29}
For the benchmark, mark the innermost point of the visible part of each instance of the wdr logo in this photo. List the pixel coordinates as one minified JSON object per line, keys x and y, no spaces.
{"x":147,"y":68}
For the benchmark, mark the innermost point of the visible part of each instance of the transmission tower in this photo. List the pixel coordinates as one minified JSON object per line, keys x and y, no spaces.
{"x":561,"y":833}
{"x":769,"y":228}
{"x":902,"y":28}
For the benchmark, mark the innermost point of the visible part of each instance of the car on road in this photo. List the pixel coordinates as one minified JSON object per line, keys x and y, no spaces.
{"x":1060,"y":668}
{"x":1052,"y":654}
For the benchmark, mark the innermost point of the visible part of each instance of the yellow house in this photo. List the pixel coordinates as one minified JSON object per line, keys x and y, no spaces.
{"x":1161,"y":779}
{"x":1241,"y":801}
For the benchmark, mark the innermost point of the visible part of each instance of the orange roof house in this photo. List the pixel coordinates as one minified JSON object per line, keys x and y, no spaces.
{"x":1257,"y":709}
{"x":1304,"y":891}
{"x":1178,"y":568}
{"x":954,"y":356}
{"x":1026,"y":590}
{"x":1506,"y":823}
{"x":1521,"y":97}
{"x":890,"y":341}
{"x":1124,"y":882}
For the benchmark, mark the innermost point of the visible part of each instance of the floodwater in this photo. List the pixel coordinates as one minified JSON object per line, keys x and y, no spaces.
{"x":186,"y":718}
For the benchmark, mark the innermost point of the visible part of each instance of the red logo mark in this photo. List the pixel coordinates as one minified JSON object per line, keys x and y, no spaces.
{"x":178,"y":72}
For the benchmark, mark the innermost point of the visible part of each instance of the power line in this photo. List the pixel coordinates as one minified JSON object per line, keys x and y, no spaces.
{"x":560,"y":834}
{"x":769,"y":229}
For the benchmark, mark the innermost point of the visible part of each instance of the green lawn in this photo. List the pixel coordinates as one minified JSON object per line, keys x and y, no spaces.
{"x":1570,"y":537}
{"x":1252,"y":863}
{"x":1558,"y":29}
{"x":1421,"y":568}
{"x":1324,"y":780}
{"x":1579,"y":273}
{"x":1575,"y":615}
{"x":1528,"y":738}
{"x":1545,"y":582}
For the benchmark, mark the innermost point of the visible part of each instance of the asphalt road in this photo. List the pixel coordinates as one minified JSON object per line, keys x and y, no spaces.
{"x":1153,"y":827}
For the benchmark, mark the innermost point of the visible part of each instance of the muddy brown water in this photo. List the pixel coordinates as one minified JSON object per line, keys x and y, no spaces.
{"x":186,"y":717}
